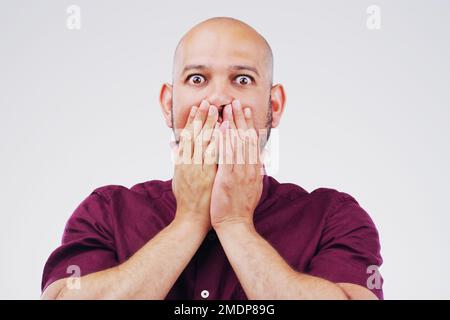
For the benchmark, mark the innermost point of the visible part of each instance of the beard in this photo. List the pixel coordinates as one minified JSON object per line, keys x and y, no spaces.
{"x":267,"y":129}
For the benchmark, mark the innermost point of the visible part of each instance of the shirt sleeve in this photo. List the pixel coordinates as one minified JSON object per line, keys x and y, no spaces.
{"x":87,"y":243}
{"x":349,"y":248}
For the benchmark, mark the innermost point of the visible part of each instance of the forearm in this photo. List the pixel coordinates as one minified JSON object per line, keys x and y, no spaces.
{"x":150,"y":273}
{"x":263,"y":273}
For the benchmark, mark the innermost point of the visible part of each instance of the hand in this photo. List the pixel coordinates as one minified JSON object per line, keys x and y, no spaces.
{"x":194,"y":171}
{"x":238,"y":184}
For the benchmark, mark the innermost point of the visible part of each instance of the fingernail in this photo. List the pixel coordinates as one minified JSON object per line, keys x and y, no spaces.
{"x":248,"y":113}
{"x":212,"y":110}
{"x":203,"y":104}
{"x":193,"y":110}
{"x":237,"y":104}
{"x":229,"y":109}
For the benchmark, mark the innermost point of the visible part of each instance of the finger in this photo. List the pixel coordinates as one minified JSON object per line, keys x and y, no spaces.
{"x":258,"y":167}
{"x":231,"y":132}
{"x":247,"y":152}
{"x":200,"y":117}
{"x":255,"y":147}
{"x":191,"y":117}
{"x":185,"y":146}
{"x":227,"y":147}
{"x":251,"y":137}
{"x":241,"y":125}
{"x":212,"y":150}
{"x":208,"y":128}
{"x":239,"y":118}
{"x":249,"y":118}
{"x":187,"y":128}
{"x":241,"y":129}
{"x":196,"y":130}
{"x":228,"y":116}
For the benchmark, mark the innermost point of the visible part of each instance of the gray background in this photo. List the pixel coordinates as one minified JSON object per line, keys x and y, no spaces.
{"x":367,"y":113}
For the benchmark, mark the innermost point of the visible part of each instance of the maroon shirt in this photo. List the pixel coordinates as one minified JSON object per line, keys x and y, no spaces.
{"x":324,"y":233}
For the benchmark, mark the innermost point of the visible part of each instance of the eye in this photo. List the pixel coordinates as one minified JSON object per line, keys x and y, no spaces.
{"x":196,"y":79}
{"x":244,"y":80}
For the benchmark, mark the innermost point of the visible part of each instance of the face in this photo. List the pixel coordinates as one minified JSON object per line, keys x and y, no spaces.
{"x":220,"y":70}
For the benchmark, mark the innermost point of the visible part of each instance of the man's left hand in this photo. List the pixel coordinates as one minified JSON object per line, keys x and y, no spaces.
{"x":238,"y":183}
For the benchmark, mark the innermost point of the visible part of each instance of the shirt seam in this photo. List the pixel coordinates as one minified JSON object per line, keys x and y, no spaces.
{"x":107,"y":200}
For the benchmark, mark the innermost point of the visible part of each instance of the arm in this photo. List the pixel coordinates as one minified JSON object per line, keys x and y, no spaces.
{"x":263,"y":273}
{"x":149,"y":274}
{"x":152,"y":271}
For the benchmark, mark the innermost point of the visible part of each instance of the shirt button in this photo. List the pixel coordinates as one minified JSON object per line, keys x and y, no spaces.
{"x":204,"y":294}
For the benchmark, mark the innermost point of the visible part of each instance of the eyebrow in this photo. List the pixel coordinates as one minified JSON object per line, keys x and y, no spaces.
{"x":232,"y":67}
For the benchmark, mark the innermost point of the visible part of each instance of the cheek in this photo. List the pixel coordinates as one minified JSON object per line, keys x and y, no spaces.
{"x":181,"y":115}
{"x":260,"y":119}
{"x":259,"y":113}
{"x":182,"y":104}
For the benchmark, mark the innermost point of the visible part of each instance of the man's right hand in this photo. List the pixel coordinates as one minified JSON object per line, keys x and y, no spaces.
{"x":195,"y":168}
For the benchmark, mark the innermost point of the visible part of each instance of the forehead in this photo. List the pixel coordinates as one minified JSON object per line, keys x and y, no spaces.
{"x":221,"y":49}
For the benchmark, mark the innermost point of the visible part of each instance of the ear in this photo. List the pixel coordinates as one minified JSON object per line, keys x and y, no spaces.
{"x":165,"y":99}
{"x":277,"y":102}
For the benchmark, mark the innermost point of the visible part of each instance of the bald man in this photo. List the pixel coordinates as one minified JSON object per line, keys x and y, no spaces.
{"x":221,"y":228}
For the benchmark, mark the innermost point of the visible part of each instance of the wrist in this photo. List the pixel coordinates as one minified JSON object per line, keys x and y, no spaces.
{"x":233,"y":223}
{"x":192,"y":223}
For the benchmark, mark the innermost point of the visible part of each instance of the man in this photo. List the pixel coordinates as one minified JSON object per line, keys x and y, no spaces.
{"x":218,"y":229}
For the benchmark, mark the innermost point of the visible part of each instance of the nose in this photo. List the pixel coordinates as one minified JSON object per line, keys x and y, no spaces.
{"x":219,"y":97}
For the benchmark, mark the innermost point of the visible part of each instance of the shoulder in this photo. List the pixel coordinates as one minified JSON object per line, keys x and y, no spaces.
{"x":332,"y":198}
{"x":343,"y":215}
{"x":341,"y":208}
{"x":110,"y":202}
{"x":327,"y":198}
{"x":323,"y":201}
{"x":151,"y":189}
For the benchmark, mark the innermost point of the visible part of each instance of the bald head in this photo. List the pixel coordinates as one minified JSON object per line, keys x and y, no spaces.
{"x":222,"y":60}
{"x":225,"y":37}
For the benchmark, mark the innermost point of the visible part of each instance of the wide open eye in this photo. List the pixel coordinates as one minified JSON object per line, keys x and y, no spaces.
{"x":244,"y":80}
{"x":196,"y":79}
